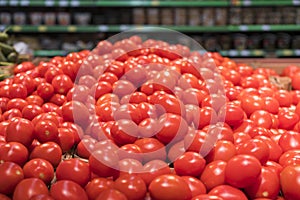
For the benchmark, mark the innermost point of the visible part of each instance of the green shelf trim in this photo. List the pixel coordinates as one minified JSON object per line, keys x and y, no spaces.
{"x":147,"y":3}
{"x":119,"y":28}
{"x":49,"y":53}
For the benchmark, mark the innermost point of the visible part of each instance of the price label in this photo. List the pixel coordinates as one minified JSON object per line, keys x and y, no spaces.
{"x":296,"y":2}
{"x":155,"y":3}
{"x":233,"y":53}
{"x":243,"y":28}
{"x":24,"y":3}
{"x":124,"y":27}
{"x":13,"y":2}
{"x":2,"y":27}
{"x":42,"y":28}
{"x":265,"y":27}
{"x":72,"y":28}
{"x":16,"y":28}
{"x":257,"y":52}
{"x":3,"y":2}
{"x":49,"y":3}
{"x":63,"y":3}
{"x":103,"y":28}
{"x":247,"y":2}
{"x":297,"y":52}
{"x":75,"y":3}
{"x":287,"y":52}
{"x":245,"y":53}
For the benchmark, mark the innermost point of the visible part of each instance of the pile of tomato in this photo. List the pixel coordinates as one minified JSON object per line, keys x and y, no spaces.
{"x":148,"y":120}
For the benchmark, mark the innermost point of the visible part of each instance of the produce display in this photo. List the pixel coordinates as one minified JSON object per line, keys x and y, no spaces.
{"x":148,"y":120}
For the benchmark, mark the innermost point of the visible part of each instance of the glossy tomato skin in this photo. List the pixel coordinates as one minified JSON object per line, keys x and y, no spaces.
{"x":49,"y":151}
{"x":207,"y":197}
{"x":46,"y":131}
{"x":196,"y":186}
{"x":228,"y":192}
{"x":242,"y":178}
{"x":132,"y":186}
{"x":111,"y":194}
{"x":289,"y":180}
{"x":14,"y":152}
{"x":189,"y":164}
{"x":39,"y":168}
{"x":174,"y":187}
{"x":28,"y":188}
{"x":20,"y":130}
{"x":98,"y":185}
{"x":74,"y":170}
{"x":66,"y":189}
{"x":11,"y":174}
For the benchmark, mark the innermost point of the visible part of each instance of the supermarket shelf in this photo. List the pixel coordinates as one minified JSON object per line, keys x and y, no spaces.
{"x":146,"y":3}
{"x":227,"y":53}
{"x":118,"y":28}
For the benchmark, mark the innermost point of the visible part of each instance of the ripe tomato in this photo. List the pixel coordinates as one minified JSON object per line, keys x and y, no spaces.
{"x":111,"y":194}
{"x":295,"y":80}
{"x":232,"y":114}
{"x":62,"y":84}
{"x":289,"y":140}
{"x":251,"y":103}
{"x":45,"y":90}
{"x":189,"y":164}
{"x":75,"y":111}
{"x":97,"y":185}
{"x":242,"y":178}
{"x":39,"y":168}
{"x":195,"y":185}
{"x":46,"y":131}
{"x":11,"y":174}
{"x":174,"y":188}
{"x":14,"y":152}
{"x":28,"y":188}
{"x":17,"y":90}
{"x":207,"y":197}
{"x":74,"y":170}
{"x":42,"y":197}
{"x":34,"y":100}
{"x":152,"y":149}
{"x":20,"y":130}
{"x":85,"y":147}
{"x":261,"y":118}
{"x":227,"y":192}
{"x":66,"y":139}
{"x":266,"y":186}
{"x":16,"y":103}
{"x":289,"y":181}
{"x":284,"y":98}
{"x":49,"y":151}
{"x":132,"y":186}
{"x":66,"y":189}
{"x":223,"y":150}
{"x":291,"y":157}
{"x":124,"y":131}
{"x":31,"y":111}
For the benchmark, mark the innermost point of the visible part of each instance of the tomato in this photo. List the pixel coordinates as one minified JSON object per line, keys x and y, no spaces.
{"x":128,"y":111}
{"x":207,"y":197}
{"x":16,"y":103}
{"x":289,"y":140}
{"x":266,"y":186}
{"x":189,"y":164}
{"x":251,"y":103}
{"x":26,"y":80}
{"x":42,"y":197}
{"x":66,"y":189}
{"x":289,"y":181}
{"x":62,"y":84}
{"x":287,"y":119}
{"x":108,"y":77}
{"x":97,"y":185}
{"x":132,"y":186}
{"x":23,"y":67}
{"x":213,"y":174}
{"x":74,"y":170}
{"x":242,"y":178}
{"x":31,"y":111}
{"x":34,"y":100}
{"x":284,"y":98}
{"x":46,"y":131}
{"x":295,"y":80}
{"x":261,"y":118}
{"x":228,"y":192}
{"x":172,"y":128}
{"x":75,"y":129}
{"x":151,"y":148}
{"x":20,"y":130}
{"x":124,"y":131}
{"x":257,"y":148}
{"x":39,"y":168}
{"x":195,"y":185}
{"x":17,"y":90}
{"x":58,"y":99}
{"x":66,"y":139}
{"x":271,"y":105}
{"x":11,"y":174}
{"x":174,"y":187}
{"x":275,"y":149}
{"x":28,"y":188}
{"x":100,"y":89}
{"x":49,"y":151}
{"x":123,"y":87}
{"x":223,"y":150}
{"x":45,"y":90}
{"x":130,"y":151}
{"x":148,"y":128}
{"x":111,"y":194}
{"x":85,"y":147}
{"x":14,"y":152}
{"x":290,"y":157}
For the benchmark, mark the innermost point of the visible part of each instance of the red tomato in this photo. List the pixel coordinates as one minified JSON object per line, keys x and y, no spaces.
{"x":284,"y":98}
{"x":291,"y":157}
{"x":85,"y":147}
{"x":251,"y":103}
{"x":124,"y":131}
{"x":74,"y":170}
{"x":28,"y":188}
{"x":213,"y":174}
{"x":289,"y":181}
{"x":295,"y":80}
{"x":46,"y":131}
{"x":242,"y":178}
{"x":75,"y":111}
{"x":31,"y":111}
{"x":195,"y":185}
{"x":271,"y":105}
{"x":223,"y":150}
{"x":207,"y":197}
{"x":14,"y":152}
{"x":49,"y":151}
{"x":174,"y":188}
{"x":35,"y":100}
{"x":23,"y":67}
{"x":287,"y":119}
{"x":132,"y":186}
{"x":289,"y":140}
{"x":275,"y":149}
{"x":97,"y":185}
{"x":66,"y":189}
{"x":26,"y":80}
{"x":261,"y":118}
{"x":152,"y":149}
{"x":16,"y":103}
{"x":39,"y":168}
{"x":11,"y":174}
{"x":66,"y":139}
{"x":255,"y":147}
{"x":17,"y":91}
{"x":232,"y":114}
{"x":42,"y":197}
{"x":58,"y":99}
{"x":266,"y":186}
{"x":111,"y":194}
{"x":227,"y":192}
{"x":62,"y":84}
{"x":189,"y":164}
{"x":45,"y":90}
{"x":20,"y":130}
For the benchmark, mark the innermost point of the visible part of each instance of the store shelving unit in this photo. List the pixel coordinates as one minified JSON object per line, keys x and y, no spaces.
{"x":105,"y":28}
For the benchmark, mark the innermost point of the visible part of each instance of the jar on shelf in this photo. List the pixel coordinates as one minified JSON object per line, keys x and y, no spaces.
{"x":64,"y":18}
{"x":240,"y":41}
{"x":254,"y":41}
{"x":248,"y":16}
{"x":283,"y":40}
{"x":274,"y":17}
{"x":194,"y":18}
{"x":288,"y":15}
{"x":235,"y":16}
{"x":36,"y":18}
{"x":5,"y":18}
{"x":19,"y":18}
{"x":296,"y":42}
{"x":153,"y":16}
{"x":269,"y":41}
{"x":261,"y":16}
{"x":220,"y":16}
{"x":225,"y":42}
{"x":82,"y":18}
{"x":180,"y":16}
{"x":297,"y":20}
{"x":50,"y":18}
{"x":139,"y":16}
{"x":166,"y":15}
{"x":208,"y":18}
